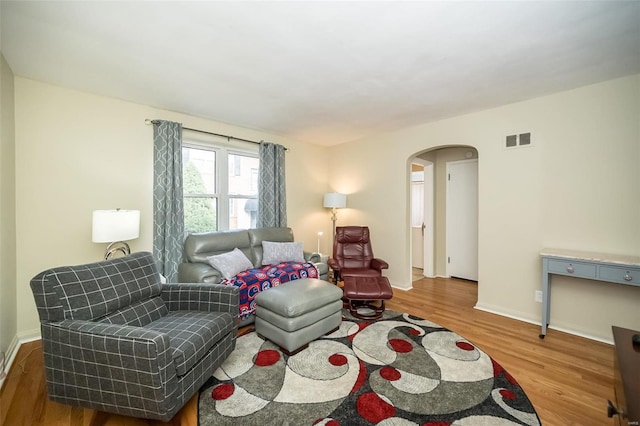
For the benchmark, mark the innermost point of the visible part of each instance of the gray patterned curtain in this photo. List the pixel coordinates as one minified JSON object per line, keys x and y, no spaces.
{"x":272,"y":194}
{"x":168,"y":214}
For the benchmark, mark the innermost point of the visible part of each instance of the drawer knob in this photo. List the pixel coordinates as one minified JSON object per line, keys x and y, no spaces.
{"x":628,"y":277}
{"x":570,"y":269}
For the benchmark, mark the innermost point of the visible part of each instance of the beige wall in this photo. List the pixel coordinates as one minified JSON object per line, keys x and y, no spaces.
{"x":76,"y":152}
{"x":577,"y":187}
{"x":8,"y":327}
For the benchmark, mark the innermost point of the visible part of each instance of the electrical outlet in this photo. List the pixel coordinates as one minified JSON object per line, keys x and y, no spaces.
{"x":538,"y":296}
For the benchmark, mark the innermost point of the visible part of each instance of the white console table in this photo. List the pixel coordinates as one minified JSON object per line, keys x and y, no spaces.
{"x":593,"y":266}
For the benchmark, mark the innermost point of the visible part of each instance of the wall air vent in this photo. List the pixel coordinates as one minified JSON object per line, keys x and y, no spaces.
{"x":521,"y":140}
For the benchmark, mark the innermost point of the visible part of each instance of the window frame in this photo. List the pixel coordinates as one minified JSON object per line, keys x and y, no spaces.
{"x":221,"y":192}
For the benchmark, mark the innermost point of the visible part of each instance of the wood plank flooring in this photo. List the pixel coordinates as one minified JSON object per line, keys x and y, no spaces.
{"x":567,"y":378}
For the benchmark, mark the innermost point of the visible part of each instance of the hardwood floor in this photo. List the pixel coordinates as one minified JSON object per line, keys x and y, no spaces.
{"x":567,"y":378}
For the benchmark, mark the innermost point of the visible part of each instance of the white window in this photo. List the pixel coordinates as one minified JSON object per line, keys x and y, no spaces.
{"x":220,"y":187}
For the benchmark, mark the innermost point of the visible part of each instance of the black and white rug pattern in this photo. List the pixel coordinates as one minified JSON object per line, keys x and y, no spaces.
{"x":397,"y":371}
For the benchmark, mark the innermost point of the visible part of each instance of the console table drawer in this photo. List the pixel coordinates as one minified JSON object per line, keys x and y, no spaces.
{"x":619,"y":275}
{"x":566,"y":267}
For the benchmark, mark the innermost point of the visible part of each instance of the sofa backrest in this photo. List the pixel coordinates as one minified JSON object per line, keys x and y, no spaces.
{"x":197,"y":247}
{"x":258,"y":235}
{"x":122,"y":289}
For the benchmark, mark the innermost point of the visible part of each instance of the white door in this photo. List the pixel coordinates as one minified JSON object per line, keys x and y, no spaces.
{"x":428,"y":228}
{"x":417,"y":219}
{"x":462,"y":219}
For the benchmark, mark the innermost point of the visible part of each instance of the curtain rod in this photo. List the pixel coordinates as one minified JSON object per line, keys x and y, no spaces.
{"x":148,"y":122}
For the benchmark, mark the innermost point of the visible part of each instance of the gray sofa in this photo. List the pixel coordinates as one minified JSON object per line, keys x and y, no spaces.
{"x":197,"y":247}
{"x":117,"y":340}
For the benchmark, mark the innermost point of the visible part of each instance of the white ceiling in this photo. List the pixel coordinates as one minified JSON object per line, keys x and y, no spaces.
{"x":321,"y":72}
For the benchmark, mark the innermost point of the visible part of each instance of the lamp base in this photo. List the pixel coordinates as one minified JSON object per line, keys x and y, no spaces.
{"x":117,"y":246}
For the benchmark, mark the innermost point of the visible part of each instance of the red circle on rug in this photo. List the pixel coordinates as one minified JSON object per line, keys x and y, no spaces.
{"x":337,"y":360}
{"x":401,"y":346}
{"x":373,"y":408}
{"x":390,"y":374}
{"x":507,"y":394}
{"x":223,"y":391}
{"x":266,"y":358}
{"x":465,"y":346}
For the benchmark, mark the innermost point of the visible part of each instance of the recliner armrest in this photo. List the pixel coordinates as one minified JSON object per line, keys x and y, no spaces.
{"x":334,"y":264}
{"x":379,"y":264}
{"x":201,"y":297}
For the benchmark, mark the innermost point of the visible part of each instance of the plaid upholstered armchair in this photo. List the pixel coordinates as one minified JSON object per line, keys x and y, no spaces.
{"x":117,"y":340}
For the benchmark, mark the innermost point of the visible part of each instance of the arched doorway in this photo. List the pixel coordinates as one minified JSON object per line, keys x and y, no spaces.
{"x":435,"y":233}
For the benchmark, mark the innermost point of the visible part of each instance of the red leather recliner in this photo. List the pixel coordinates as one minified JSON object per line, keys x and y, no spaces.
{"x":353,"y":255}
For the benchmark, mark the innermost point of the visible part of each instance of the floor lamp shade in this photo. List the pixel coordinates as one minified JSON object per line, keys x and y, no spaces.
{"x":335,"y":200}
{"x":115,"y":226}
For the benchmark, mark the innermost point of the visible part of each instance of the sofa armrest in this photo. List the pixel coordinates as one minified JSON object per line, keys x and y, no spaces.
{"x":312,"y":257}
{"x":198,"y":273}
{"x":319,"y":262}
{"x":201,"y":297}
{"x":379,"y":264}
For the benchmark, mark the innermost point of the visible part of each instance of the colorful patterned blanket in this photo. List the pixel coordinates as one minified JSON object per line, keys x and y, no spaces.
{"x":253,"y":281}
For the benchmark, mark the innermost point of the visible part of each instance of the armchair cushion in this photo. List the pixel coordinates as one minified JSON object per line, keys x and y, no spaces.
{"x":138,"y":314}
{"x":192,"y":334}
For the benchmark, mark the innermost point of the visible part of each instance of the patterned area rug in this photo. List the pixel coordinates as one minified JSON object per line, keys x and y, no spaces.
{"x":397,"y":371}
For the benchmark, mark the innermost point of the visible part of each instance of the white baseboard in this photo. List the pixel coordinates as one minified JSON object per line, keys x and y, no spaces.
{"x":580,"y":334}
{"x":516,"y":316}
{"x":402,"y":288}
{"x":10,"y":356}
{"x":14,"y":347}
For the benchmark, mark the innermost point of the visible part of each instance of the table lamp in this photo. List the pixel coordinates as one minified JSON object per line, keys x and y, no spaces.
{"x":115,"y":227}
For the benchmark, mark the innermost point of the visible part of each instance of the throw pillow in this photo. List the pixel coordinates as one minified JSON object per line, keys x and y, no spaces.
{"x":229,"y":264}
{"x":274,"y":253}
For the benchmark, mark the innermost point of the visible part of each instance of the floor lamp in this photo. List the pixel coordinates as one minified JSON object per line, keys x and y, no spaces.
{"x":334,"y":201}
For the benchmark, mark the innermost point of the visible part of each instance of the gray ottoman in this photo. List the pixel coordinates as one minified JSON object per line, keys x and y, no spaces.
{"x":293,"y":314}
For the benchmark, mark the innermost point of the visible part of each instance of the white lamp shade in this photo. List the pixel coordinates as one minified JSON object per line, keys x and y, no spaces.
{"x":335,"y":199}
{"x":115,"y":225}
